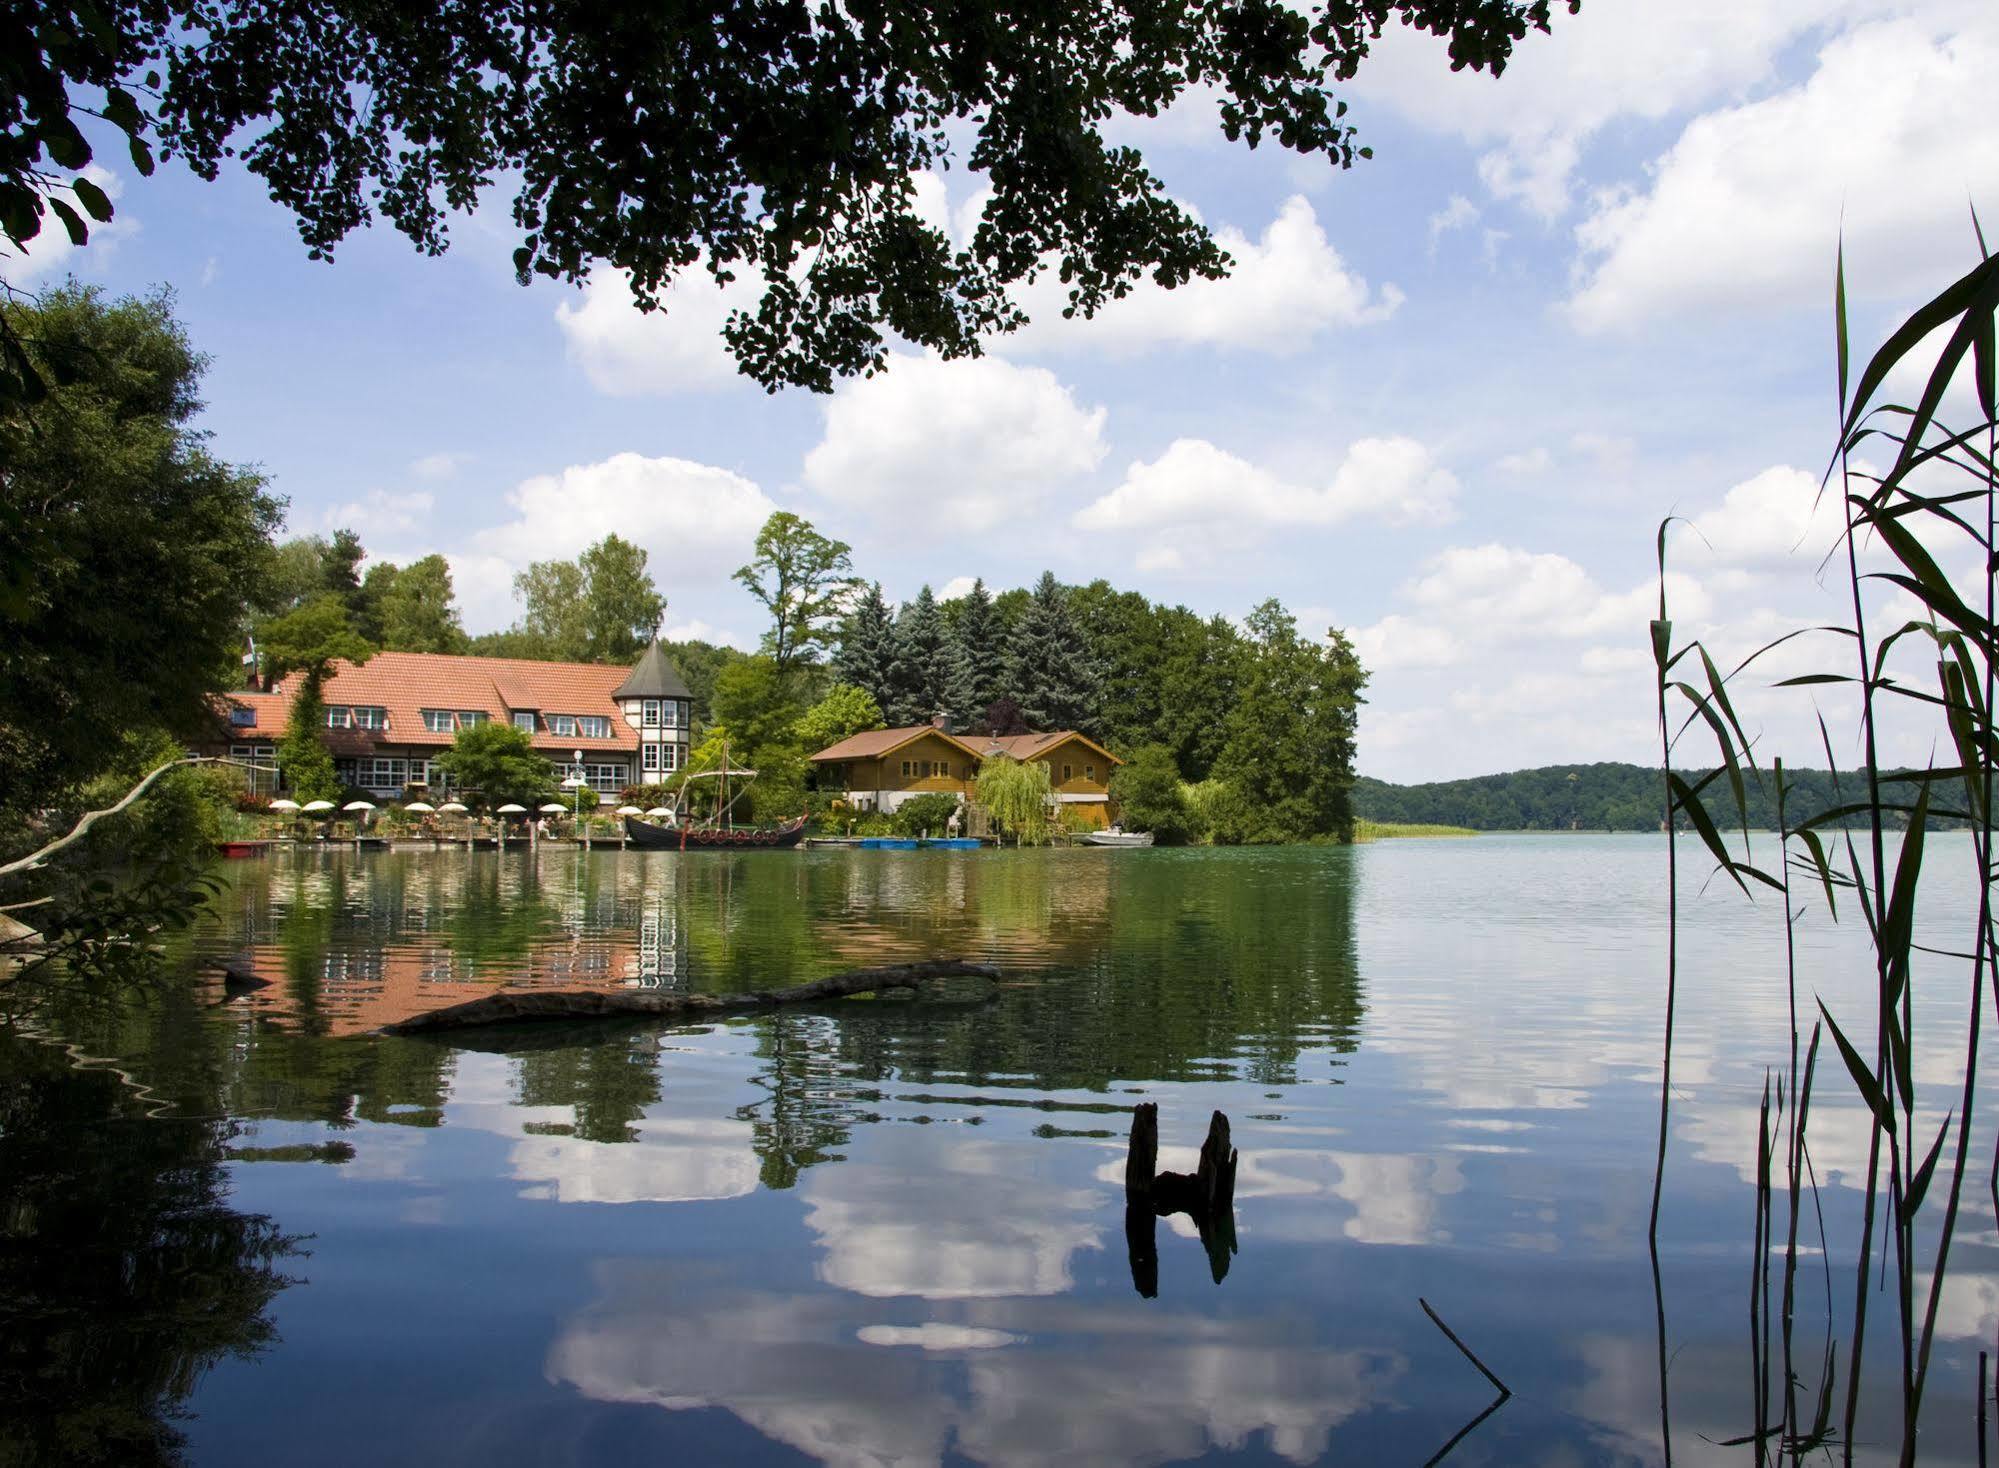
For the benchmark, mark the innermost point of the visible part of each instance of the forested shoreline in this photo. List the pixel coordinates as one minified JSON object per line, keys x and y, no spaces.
{"x":1606,"y":796}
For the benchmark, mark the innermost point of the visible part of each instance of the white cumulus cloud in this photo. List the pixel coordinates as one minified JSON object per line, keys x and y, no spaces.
{"x":967,"y":442}
{"x":1207,"y":493}
{"x":1287,"y":285}
{"x":1889,"y":139}
{"x":677,"y":348}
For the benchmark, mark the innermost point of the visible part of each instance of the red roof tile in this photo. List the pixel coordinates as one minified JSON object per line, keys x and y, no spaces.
{"x":407,"y":683}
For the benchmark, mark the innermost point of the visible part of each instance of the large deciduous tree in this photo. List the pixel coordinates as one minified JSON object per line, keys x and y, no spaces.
{"x":1290,"y":737}
{"x":418,"y":614}
{"x":801,"y":578}
{"x":309,"y":640}
{"x":127,"y":549}
{"x":772,"y":138}
{"x":601,"y":607}
{"x":499,"y":762}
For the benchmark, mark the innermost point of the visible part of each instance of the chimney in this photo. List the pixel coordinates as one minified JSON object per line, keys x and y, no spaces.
{"x":942,"y":722}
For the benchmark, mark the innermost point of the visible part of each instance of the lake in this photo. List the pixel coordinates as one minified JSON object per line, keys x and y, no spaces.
{"x":892,"y":1232}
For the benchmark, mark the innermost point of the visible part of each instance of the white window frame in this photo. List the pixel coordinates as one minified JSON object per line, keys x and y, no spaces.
{"x":339,"y":716}
{"x":669,"y":758}
{"x":524,"y":719}
{"x":472,"y":718}
{"x":649,"y":759}
{"x":649,"y":713}
{"x":370,"y":716}
{"x":593,"y":726}
{"x":439,"y":721}
{"x":563,"y":725}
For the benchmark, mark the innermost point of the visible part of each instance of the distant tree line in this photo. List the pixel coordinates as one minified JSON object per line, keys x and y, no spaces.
{"x":1595,"y":797}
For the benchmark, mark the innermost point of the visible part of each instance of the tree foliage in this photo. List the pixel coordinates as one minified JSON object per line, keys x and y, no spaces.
{"x":1290,"y":736}
{"x":500,"y":763}
{"x":844,"y":711}
{"x":1149,"y":795}
{"x":127,"y":549}
{"x":929,"y":675}
{"x":975,"y":626}
{"x":418,"y":613}
{"x":801,"y":578}
{"x":865,"y":658}
{"x":1017,"y":796}
{"x":1050,"y":671}
{"x":601,"y":607}
{"x":778,"y":140}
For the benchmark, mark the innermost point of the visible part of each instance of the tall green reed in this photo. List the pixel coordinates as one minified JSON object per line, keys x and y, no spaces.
{"x":1936,"y":506}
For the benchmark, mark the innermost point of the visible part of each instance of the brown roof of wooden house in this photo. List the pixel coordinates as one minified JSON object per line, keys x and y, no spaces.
{"x":874,"y":743}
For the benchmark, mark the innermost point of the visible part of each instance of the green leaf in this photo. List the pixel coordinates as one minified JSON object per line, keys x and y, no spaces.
{"x":1898,"y":919}
{"x":1817,"y":849}
{"x":1685,"y":799}
{"x":1920,"y":1183}
{"x":142,"y":157}
{"x":1948,"y":303}
{"x":96,"y":203}
{"x":1863,"y":1078}
{"x":79,"y":232}
{"x":1839,"y":316}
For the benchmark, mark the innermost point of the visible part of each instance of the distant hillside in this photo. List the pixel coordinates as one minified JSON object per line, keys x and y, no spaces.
{"x":1601,"y":797}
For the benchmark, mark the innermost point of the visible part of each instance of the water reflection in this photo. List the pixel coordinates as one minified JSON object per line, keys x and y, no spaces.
{"x":124,"y":1274}
{"x":897,"y":1231}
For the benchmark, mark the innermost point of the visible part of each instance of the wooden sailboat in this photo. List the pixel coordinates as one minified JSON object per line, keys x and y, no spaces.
{"x":684,"y":833}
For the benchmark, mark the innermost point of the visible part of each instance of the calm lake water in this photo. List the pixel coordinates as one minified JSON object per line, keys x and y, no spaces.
{"x":893,"y":1232}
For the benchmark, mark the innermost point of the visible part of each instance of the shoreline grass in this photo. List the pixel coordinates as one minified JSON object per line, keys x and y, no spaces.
{"x":1366,"y":830}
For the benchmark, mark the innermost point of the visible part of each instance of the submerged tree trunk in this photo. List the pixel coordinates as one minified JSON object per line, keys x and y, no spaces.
{"x":515,"y":1005}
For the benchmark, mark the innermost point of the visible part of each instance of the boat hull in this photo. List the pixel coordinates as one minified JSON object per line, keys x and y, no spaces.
{"x":1118,"y":838}
{"x":649,"y":836}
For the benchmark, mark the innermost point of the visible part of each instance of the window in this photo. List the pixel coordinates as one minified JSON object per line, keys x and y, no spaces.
{"x":524,"y":719}
{"x":907,"y":766}
{"x":439,"y":721}
{"x":593,"y":726}
{"x":339,"y":716}
{"x":649,"y":759}
{"x":650,"y":718}
{"x":564,"y":724}
{"x":344,"y":772}
{"x":371,"y":717}
{"x":242,"y":718}
{"x":605,"y":779}
{"x":1068,"y":773}
{"x":673,"y":713}
{"x":383,"y":773}
{"x":1090,"y":772}
{"x":471,"y":718}
{"x":669,"y":758}
{"x":254,"y":754}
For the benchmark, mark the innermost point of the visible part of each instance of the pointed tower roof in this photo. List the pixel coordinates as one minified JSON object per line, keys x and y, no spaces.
{"x":654,"y":677}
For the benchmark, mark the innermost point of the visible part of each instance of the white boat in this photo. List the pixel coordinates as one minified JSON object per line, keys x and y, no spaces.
{"x":1117,"y":838}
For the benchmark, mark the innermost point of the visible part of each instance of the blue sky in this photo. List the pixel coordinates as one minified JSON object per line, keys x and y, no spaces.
{"x":1443,"y":403}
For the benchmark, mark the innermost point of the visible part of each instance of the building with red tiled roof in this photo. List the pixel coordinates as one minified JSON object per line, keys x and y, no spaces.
{"x":391,"y":717}
{"x":882,"y":768}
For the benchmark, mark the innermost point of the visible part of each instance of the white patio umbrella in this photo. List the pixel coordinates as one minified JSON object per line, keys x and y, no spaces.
{"x":659,"y":810}
{"x":630,"y":810}
{"x":358,"y":805}
{"x":421,"y":808}
{"x":317,"y":805}
{"x":284,"y":805}
{"x":451,"y":807}
{"x":552,"y":809}
{"x":510,"y":809}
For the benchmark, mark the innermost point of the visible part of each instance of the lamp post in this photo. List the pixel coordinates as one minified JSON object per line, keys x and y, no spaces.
{"x":578,"y":778}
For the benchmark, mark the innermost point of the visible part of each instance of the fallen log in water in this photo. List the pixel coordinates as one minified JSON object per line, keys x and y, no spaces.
{"x":512,"y":1006}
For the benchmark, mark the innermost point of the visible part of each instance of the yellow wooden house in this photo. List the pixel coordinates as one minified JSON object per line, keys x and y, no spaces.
{"x":882,"y":768}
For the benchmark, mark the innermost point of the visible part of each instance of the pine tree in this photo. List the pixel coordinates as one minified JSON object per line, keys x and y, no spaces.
{"x":930,"y":675}
{"x":1049,"y":671}
{"x":866,"y":655}
{"x":977,"y":634}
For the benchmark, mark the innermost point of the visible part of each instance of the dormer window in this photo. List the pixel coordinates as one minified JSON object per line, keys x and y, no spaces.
{"x":562,"y":724}
{"x":339,"y":716}
{"x":242,"y":718}
{"x":593,"y":726}
{"x":524,"y":719}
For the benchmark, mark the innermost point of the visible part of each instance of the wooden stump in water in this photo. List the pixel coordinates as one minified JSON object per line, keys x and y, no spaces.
{"x":1207,"y":1196}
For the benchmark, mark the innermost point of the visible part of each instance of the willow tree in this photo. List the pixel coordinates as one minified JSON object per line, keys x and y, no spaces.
{"x":1017,"y":796}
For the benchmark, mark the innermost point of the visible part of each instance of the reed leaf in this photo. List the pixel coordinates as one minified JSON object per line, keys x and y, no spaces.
{"x":1817,"y":849}
{"x":1685,"y":799}
{"x":1919,"y":1183}
{"x":1864,"y":1079}
{"x":1949,"y":303}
